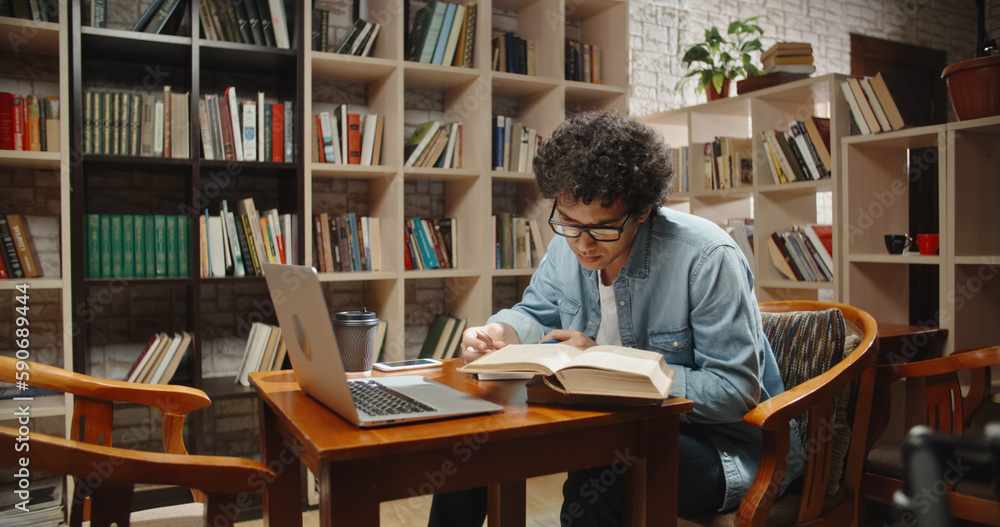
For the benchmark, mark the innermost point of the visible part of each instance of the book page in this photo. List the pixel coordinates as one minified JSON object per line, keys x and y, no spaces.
{"x":538,"y":358}
{"x":617,"y":358}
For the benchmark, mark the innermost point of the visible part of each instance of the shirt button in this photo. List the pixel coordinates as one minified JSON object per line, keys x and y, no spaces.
{"x":591,"y":323}
{"x":559,"y":302}
{"x":677,"y":344}
{"x":622,"y":303}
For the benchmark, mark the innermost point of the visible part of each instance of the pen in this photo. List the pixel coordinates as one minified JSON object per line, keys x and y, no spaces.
{"x":550,"y":341}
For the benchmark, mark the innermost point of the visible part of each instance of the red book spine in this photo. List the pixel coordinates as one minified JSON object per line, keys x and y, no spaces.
{"x":18,"y":122}
{"x":228,"y":151}
{"x":319,"y":140}
{"x":277,"y":132}
{"x":407,"y":262}
{"x":3,"y":270}
{"x":6,"y":122}
{"x":353,"y":139}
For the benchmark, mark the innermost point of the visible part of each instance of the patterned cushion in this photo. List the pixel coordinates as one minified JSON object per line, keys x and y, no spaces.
{"x":806,"y":344}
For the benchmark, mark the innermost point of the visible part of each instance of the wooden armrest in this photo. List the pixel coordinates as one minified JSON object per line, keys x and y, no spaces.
{"x":775,"y":413}
{"x":958,"y":361}
{"x":213,"y":474}
{"x":167,"y":398}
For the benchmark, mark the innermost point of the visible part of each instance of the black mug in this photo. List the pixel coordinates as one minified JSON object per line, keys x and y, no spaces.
{"x":897,"y":243}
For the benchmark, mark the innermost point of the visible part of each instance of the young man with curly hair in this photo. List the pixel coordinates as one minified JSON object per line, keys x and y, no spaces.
{"x":626,"y":270}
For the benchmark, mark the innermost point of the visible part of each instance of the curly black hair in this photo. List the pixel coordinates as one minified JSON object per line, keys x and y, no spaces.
{"x":603,"y":156}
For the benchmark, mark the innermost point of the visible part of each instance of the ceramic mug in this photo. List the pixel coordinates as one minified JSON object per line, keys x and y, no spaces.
{"x":897,"y":243}
{"x":928,"y":243}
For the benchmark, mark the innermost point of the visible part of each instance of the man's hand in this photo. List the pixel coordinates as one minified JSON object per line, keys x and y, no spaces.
{"x":577,"y":339}
{"x":477,"y":341}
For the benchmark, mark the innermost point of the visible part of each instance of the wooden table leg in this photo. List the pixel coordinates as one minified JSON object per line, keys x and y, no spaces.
{"x":349,"y":493}
{"x":283,"y":498}
{"x":506,"y":504}
{"x":651,"y":481}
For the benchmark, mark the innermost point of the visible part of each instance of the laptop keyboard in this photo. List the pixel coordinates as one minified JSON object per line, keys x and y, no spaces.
{"x":377,"y":399}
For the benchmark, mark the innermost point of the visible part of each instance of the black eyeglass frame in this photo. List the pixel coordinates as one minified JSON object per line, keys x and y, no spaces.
{"x":585,"y":229}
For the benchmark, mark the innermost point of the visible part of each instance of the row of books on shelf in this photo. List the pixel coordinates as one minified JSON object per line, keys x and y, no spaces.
{"x":159,"y":360}
{"x":430,"y":243}
{"x":344,"y":137}
{"x":265,"y":351}
{"x":137,"y":246}
{"x":679,"y":160}
{"x":514,"y":145}
{"x":29,"y":123}
{"x":246,"y":130}
{"x":18,"y":256}
{"x":444,"y":335}
{"x":728,"y":163}
{"x":37,"y":10}
{"x":514,"y":239}
{"x":236,"y":243}
{"x":347,"y":243}
{"x":358,"y":41}
{"x":584,"y":62}
{"x":259,"y":22}
{"x":513,"y":54}
{"x":882,"y":103}
{"x":434,"y":144}
{"x":443,"y":33}
{"x":741,"y":229}
{"x":803,"y":254}
{"x":801,"y":153}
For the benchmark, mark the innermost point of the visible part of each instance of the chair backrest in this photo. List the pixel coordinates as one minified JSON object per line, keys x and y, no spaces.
{"x":829,"y":381}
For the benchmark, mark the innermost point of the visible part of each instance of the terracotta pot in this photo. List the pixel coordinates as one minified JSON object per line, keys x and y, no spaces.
{"x":974,"y":87}
{"x":713,"y":95}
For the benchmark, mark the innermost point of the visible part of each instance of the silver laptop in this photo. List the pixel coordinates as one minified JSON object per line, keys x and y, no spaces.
{"x":312,"y":348}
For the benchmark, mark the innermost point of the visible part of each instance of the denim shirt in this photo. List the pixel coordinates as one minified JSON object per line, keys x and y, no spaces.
{"x":686,"y":291}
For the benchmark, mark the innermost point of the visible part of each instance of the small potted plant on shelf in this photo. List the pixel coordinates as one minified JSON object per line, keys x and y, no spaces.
{"x":974,"y":84}
{"x":721,"y":59}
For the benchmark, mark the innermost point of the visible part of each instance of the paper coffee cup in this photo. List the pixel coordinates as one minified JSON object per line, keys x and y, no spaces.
{"x":355,"y":332}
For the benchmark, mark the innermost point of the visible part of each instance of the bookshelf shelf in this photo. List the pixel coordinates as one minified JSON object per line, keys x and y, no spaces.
{"x":40,"y":38}
{"x":439,"y":174}
{"x":29,"y":159}
{"x":513,"y":177}
{"x":781,"y":283}
{"x":330,"y":170}
{"x":262,"y":60}
{"x":433,"y":77}
{"x":513,"y":272}
{"x":905,"y":259}
{"x":130,"y":46}
{"x":358,"y":276}
{"x":33,"y":283}
{"x":44,"y":406}
{"x":350,"y":69}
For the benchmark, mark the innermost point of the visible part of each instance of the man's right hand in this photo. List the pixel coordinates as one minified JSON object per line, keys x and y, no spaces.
{"x":477,"y":341}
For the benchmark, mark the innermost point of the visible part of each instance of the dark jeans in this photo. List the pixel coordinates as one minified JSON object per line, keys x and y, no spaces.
{"x":593,"y":497}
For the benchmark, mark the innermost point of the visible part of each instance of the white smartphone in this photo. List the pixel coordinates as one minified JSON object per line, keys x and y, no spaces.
{"x":409,"y":364}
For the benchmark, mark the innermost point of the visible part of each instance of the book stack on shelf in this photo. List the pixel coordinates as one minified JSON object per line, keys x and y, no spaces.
{"x":881,"y":103}
{"x":783,"y":62}
{"x":513,"y":54}
{"x":235,"y":243}
{"x":679,"y":157}
{"x":443,"y":337}
{"x":39,"y":11}
{"x":358,"y":41}
{"x":443,"y":33}
{"x":18,"y":254}
{"x":804,"y":254}
{"x":43,"y":508}
{"x":584,"y":62}
{"x":132,"y":124}
{"x":246,"y":130}
{"x":514,"y":239}
{"x":137,"y":246}
{"x":258,"y":22}
{"x":802,"y":153}
{"x":344,"y":137}
{"x":430,"y":243}
{"x":347,"y":243}
{"x":433,"y":144}
{"x":265,"y":351}
{"x":29,"y":123}
{"x":159,"y":360}
{"x":728,"y":163}
{"x":514,"y":145}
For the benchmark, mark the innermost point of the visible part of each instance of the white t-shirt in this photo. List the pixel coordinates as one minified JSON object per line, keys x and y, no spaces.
{"x":607,"y":331}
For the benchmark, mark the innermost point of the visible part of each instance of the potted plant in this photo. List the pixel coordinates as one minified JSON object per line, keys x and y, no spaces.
{"x":723,"y":58}
{"x":974,"y":84}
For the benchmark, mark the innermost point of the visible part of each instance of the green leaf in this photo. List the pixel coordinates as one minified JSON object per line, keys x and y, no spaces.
{"x":697,"y":53}
{"x":717,"y":81}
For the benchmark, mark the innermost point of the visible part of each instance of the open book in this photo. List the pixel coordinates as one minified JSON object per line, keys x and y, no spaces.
{"x":598,"y":370}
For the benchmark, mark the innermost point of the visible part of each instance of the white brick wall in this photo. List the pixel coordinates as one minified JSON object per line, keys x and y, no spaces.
{"x":661,"y":30}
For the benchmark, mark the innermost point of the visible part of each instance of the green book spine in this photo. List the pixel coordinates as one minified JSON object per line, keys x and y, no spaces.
{"x":128,"y":246}
{"x":172,"y":269}
{"x":117,"y":251}
{"x":182,"y":245}
{"x":106,"y":246}
{"x":93,"y":246}
{"x":140,"y":245}
{"x":149,"y":238}
{"x":160,"y":227}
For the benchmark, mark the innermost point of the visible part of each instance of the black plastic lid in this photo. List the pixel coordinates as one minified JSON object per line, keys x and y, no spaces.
{"x":358,"y":318}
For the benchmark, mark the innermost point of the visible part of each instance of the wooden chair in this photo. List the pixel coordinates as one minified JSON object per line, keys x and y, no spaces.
{"x":835,"y":391}
{"x":934,"y":398}
{"x":106,"y":475}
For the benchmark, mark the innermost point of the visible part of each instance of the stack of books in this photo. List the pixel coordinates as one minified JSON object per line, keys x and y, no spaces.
{"x":514,"y":145}
{"x":133,"y":124}
{"x":258,"y":22}
{"x":443,"y":337}
{"x":256,"y":129}
{"x":518,"y":242}
{"x":265,"y":351}
{"x":804,"y":254}
{"x":43,"y":506}
{"x":800,"y":153}
{"x":346,"y":137}
{"x":513,"y":54}
{"x":430,"y":243}
{"x":679,"y":156}
{"x":584,"y":62}
{"x":358,"y":41}
{"x":443,"y":33}
{"x":29,"y":123}
{"x":433,"y":144}
{"x":347,"y":243}
{"x":137,"y":246}
{"x":788,"y":57}
{"x":728,"y":163}
{"x":160,"y":358}
{"x":18,"y":255}
{"x":881,"y":103}
{"x":236,"y":243}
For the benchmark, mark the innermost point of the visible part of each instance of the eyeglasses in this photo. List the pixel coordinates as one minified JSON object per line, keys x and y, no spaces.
{"x":601,"y":233}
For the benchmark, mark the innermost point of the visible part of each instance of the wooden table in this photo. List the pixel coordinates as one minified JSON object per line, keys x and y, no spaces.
{"x":357,"y":469}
